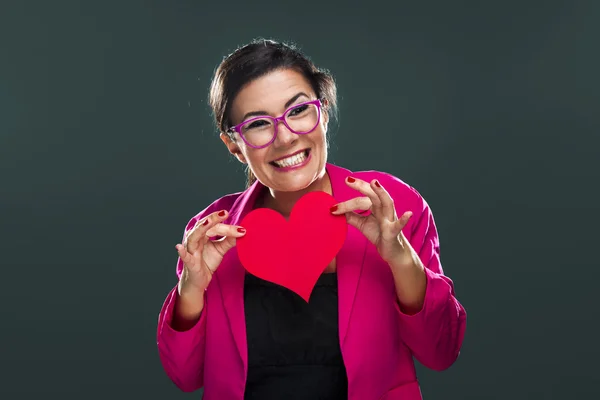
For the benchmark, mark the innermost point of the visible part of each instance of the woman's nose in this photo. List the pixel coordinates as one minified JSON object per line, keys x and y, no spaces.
{"x":284,"y":135}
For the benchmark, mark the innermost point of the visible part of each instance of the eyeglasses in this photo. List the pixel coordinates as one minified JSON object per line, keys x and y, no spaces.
{"x":259,"y":132}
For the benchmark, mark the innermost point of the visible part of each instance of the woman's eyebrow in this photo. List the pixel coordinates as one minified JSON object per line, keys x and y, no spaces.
{"x":287,"y":104}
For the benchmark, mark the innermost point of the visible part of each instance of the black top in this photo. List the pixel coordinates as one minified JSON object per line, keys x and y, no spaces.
{"x":293,"y":346}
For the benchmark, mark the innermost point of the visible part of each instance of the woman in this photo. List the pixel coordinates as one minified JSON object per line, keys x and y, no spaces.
{"x":381,"y":301}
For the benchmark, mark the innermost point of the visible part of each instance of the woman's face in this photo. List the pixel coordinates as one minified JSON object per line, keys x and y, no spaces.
{"x":272,"y":95}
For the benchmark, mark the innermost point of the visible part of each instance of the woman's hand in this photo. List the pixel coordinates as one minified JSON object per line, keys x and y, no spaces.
{"x":382,"y":227}
{"x":200,"y":255}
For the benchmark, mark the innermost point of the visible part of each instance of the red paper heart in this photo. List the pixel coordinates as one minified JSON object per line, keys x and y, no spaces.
{"x":293,"y":253}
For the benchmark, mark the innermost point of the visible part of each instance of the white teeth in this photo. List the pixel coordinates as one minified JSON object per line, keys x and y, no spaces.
{"x":291,"y":161}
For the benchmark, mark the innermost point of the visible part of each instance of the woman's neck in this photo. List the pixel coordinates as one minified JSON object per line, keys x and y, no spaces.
{"x":283,"y":202}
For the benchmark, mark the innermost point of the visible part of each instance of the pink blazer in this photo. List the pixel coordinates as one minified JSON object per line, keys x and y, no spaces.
{"x":377,"y":340}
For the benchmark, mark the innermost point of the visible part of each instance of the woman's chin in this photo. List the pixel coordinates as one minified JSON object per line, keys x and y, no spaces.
{"x":291,"y":187}
{"x":298,"y":183}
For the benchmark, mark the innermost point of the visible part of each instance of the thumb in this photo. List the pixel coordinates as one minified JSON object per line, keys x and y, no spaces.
{"x":225,"y":244}
{"x":355,"y":220}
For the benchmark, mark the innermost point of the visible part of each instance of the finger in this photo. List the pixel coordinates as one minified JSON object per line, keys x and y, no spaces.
{"x":366,"y":189}
{"x":183,"y":254}
{"x":190,"y":241}
{"x":357,"y":203}
{"x":198,"y":237}
{"x":401,"y":222}
{"x":225,"y":230}
{"x":387,"y":204}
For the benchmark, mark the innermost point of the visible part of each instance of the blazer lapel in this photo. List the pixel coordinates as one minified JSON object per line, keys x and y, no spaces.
{"x":350,"y":259}
{"x":230,"y":276}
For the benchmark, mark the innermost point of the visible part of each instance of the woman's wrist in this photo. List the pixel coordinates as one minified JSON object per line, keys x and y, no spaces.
{"x":188,"y":308}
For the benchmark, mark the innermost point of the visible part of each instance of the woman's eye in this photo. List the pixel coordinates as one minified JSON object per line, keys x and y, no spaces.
{"x":257,"y":124}
{"x":298,"y":110}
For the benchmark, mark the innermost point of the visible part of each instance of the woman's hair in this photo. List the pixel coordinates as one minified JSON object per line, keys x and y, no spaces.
{"x":254,"y":60}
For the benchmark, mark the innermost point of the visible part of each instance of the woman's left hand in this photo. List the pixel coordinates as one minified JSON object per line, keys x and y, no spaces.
{"x":382,"y":227}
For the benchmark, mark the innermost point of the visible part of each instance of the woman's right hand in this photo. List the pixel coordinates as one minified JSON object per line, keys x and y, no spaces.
{"x":200,"y":255}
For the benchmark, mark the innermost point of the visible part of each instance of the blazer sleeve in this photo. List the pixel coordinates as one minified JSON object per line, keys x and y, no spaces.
{"x":435,"y":333}
{"x":181,"y":353}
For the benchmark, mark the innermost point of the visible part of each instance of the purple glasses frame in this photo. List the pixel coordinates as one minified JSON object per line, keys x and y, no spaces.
{"x":238,"y":128}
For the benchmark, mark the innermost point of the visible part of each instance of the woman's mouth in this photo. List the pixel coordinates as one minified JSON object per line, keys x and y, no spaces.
{"x":294,"y":161}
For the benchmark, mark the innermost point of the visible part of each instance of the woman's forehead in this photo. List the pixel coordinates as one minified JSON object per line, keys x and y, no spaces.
{"x":270,"y":93}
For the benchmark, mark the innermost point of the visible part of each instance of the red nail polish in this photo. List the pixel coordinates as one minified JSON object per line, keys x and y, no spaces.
{"x":241,"y":230}
{"x":377,"y":184}
{"x":351,"y":179}
{"x":334,"y":208}
{"x":205,"y":222}
{"x":222,"y":214}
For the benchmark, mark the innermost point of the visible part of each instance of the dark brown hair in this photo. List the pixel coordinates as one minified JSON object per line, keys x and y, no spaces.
{"x":254,"y":60}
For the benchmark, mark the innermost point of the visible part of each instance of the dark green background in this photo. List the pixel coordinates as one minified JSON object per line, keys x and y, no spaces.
{"x":107,"y":149}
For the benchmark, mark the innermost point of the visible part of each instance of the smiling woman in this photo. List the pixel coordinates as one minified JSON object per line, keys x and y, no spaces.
{"x":274,"y":77}
{"x":384,"y":298}
{"x":278,"y":117}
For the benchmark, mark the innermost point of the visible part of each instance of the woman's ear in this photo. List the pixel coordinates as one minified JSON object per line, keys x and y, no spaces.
{"x":325,"y":112}
{"x":232,"y":147}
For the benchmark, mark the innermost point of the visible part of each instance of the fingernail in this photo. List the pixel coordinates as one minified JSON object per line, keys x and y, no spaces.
{"x":241,"y":230}
{"x":351,"y":179}
{"x":334,"y":208}
{"x":222,"y":214}
{"x":377,"y":184}
{"x":205,"y":222}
